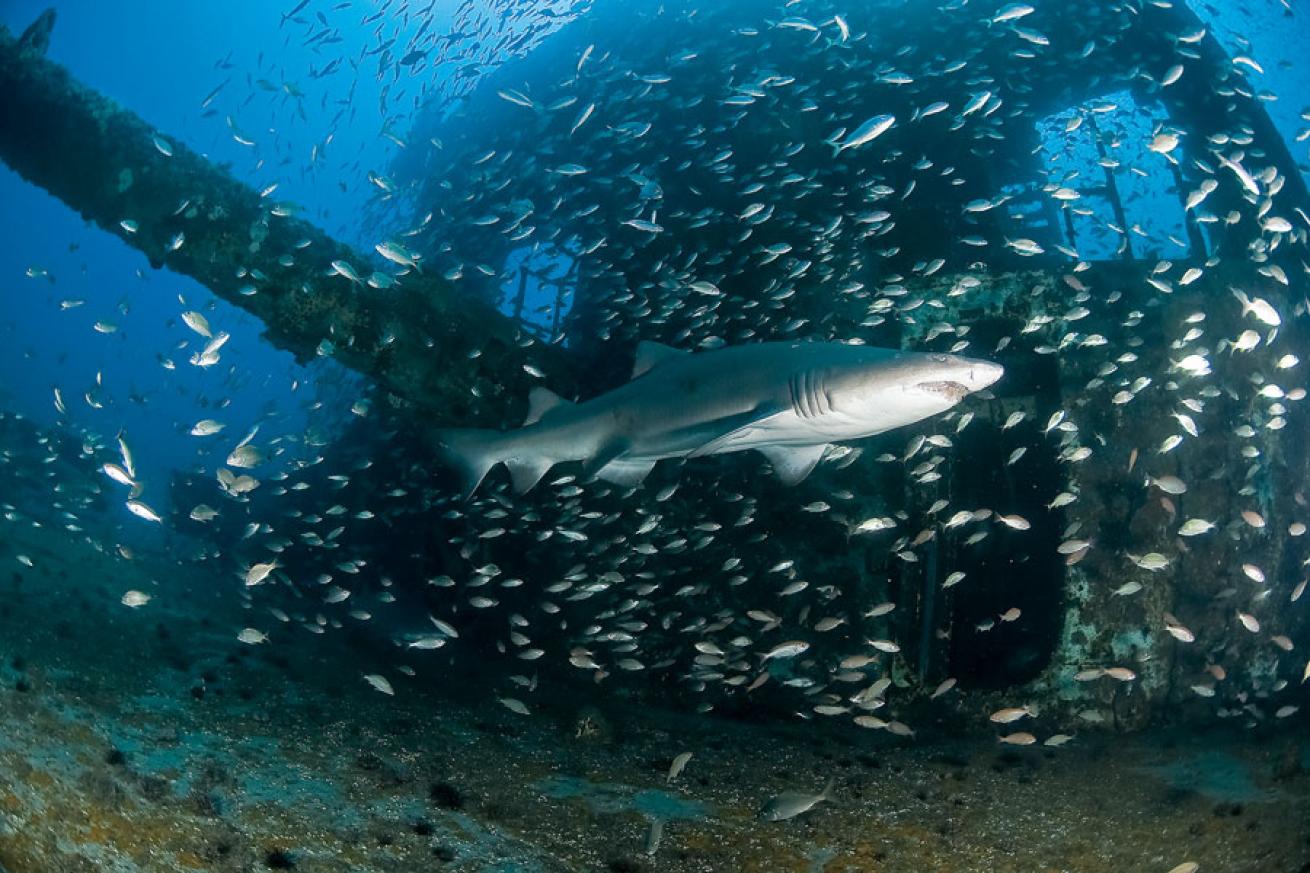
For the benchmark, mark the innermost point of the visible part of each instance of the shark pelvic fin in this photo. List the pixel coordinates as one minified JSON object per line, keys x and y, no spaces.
{"x":793,"y":463}
{"x":527,"y":472}
{"x":650,"y":354}
{"x":472,"y":452}
{"x":541,"y":401}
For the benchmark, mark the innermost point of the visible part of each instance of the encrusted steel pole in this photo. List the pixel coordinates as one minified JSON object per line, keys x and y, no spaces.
{"x":453,"y":356}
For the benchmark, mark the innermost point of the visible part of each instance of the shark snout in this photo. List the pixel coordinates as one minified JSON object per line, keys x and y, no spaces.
{"x":983,"y":373}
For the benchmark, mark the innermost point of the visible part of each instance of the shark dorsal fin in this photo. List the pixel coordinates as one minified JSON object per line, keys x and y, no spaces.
{"x":650,"y":354}
{"x":540,"y":401}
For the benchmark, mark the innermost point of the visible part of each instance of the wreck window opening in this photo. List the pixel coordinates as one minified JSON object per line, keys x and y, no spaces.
{"x":1029,"y":207}
{"x":538,"y":289}
{"x":1101,"y":174}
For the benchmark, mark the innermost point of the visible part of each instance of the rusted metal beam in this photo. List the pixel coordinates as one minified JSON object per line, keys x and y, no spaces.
{"x":454,"y":356}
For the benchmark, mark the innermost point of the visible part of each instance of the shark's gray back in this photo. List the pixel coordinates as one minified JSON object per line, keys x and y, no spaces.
{"x":688,"y":399}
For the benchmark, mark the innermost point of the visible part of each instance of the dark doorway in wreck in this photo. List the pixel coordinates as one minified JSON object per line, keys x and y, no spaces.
{"x":1009,"y":569}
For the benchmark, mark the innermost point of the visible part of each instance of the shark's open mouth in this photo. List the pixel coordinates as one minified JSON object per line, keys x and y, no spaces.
{"x":953,"y":391}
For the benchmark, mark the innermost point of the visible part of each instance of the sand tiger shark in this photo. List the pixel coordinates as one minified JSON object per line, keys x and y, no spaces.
{"x":787,"y":400}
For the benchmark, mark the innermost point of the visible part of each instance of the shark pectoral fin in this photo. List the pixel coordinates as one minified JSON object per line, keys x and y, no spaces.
{"x":627,"y":473}
{"x":793,"y":463}
{"x":650,"y":353}
{"x":731,"y":431}
{"x":540,"y":401}
{"x":526,"y":472}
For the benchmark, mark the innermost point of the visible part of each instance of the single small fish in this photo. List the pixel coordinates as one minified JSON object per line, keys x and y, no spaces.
{"x":341,"y":268}
{"x":118,"y":474}
{"x":653,"y":835}
{"x":1071,"y":547}
{"x":1195,"y":527}
{"x":865,"y":133}
{"x":790,"y":804}
{"x":1021,"y":738}
{"x":1168,"y":484}
{"x":1170,"y":443}
{"x":245,"y":457}
{"x":259,"y":572}
{"x":789,"y":649}
{"x":677,"y":766}
{"x":1010,"y":714}
{"x":515,"y":705}
{"x":1262,"y":309}
{"x":1180,"y":633}
{"x":398,"y":254}
{"x":945,"y":686}
{"x":198,"y":323}
{"x":1163,"y":142}
{"x":644,"y":225}
{"x":1012,"y":12}
{"x":873,"y":525}
{"x":141,"y":510}
{"x":1025,"y":247}
{"x":380,"y":683}
{"x":1152,"y":561}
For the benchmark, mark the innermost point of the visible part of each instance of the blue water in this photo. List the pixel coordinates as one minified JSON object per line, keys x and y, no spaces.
{"x":161,"y":60}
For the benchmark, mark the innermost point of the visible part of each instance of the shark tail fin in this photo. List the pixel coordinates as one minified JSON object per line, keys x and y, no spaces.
{"x":472,"y":452}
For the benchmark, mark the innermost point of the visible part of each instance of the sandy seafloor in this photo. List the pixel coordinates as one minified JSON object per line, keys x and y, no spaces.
{"x":110,"y":759}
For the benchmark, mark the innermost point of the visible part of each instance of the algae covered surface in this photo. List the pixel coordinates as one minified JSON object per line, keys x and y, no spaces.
{"x":158,"y":743}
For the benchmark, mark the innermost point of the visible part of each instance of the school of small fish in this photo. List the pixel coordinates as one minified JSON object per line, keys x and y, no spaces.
{"x":769,"y":185}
